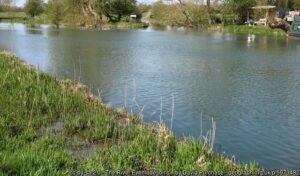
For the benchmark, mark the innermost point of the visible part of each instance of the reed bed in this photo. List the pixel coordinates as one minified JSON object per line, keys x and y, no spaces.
{"x":53,"y":127}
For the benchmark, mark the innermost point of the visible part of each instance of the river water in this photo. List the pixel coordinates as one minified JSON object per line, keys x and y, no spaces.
{"x":249,"y":84}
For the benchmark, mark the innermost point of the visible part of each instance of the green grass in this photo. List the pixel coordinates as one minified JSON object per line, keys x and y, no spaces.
{"x":41,"y":19}
{"x":249,"y":29}
{"x":32,"y":102}
{"x":12,"y":15}
{"x":124,"y":25}
{"x":21,"y":17}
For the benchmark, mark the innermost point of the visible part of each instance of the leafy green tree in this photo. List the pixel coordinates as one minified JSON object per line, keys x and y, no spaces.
{"x":54,"y":10}
{"x":94,"y":12}
{"x":240,"y":8}
{"x":123,"y":7}
{"x":114,"y":10}
{"x":34,"y":7}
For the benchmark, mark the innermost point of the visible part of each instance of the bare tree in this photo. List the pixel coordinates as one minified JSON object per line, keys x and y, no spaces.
{"x":5,"y":4}
{"x":190,"y":18}
{"x":186,"y":13}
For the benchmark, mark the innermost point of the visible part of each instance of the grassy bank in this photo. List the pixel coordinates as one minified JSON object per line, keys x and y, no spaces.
{"x":130,"y":25}
{"x":15,"y":17}
{"x":120,"y":25}
{"x":106,"y":26}
{"x":248,"y":29}
{"x":21,"y":17}
{"x":51,"y":127}
{"x":9,"y":15}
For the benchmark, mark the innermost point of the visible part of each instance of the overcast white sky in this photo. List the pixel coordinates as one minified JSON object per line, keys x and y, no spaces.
{"x":21,"y":2}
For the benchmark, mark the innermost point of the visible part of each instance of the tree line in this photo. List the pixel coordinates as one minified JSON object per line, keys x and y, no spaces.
{"x":80,"y":12}
{"x":195,"y":13}
{"x":8,"y":5}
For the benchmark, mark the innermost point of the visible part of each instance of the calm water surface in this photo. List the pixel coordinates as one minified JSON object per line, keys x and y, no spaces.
{"x":249,"y":84}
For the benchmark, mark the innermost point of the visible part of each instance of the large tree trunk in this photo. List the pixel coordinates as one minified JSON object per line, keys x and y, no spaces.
{"x":95,"y":15}
{"x":84,"y":11}
{"x":89,"y":12}
{"x":209,"y":18}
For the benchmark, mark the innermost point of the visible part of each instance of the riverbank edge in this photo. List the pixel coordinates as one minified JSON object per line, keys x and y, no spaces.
{"x":104,"y":26}
{"x":256,"y":30}
{"x":242,"y":29}
{"x":156,"y":143}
